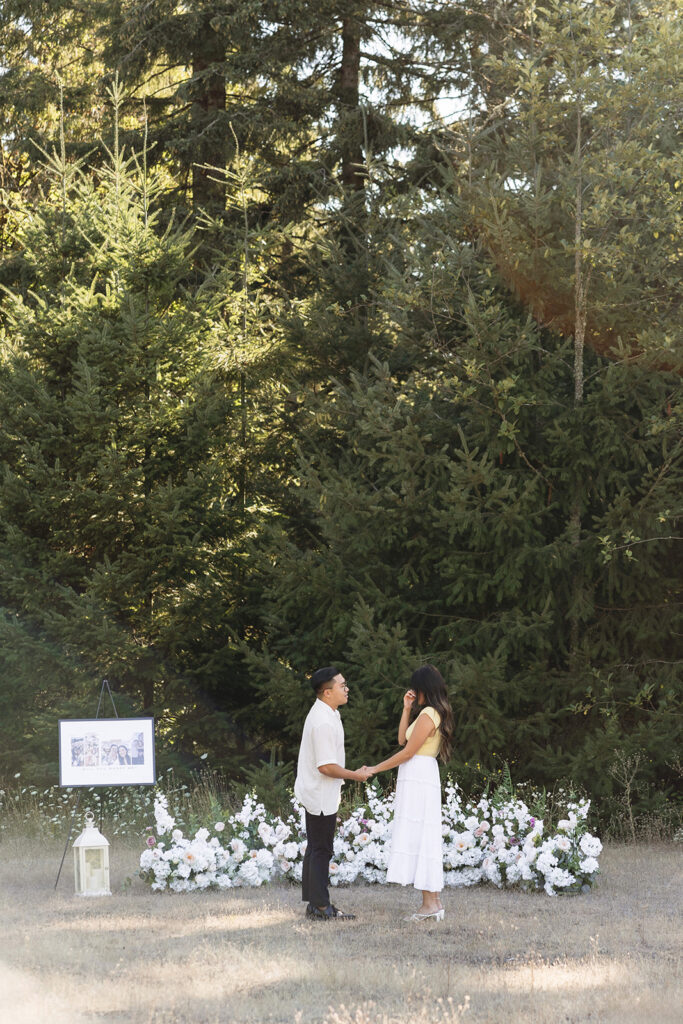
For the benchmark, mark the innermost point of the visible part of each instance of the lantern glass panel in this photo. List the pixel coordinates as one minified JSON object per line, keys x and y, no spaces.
{"x":94,"y":870}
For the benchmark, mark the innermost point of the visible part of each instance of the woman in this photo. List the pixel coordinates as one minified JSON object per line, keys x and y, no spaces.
{"x":416,"y":856}
{"x":124,"y":756}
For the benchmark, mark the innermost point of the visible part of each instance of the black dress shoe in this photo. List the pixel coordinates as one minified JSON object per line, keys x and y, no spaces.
{"x":341,"y":915}
{"x":328,"y":913}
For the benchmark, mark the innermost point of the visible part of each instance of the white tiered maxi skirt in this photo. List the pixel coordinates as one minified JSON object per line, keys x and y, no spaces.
{"x":416,"y":855}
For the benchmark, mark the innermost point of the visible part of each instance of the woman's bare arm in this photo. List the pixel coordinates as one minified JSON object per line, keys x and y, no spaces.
{"x":408,"y":701}
{"x":403,"y":726}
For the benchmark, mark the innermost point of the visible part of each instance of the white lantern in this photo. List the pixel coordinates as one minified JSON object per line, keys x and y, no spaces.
{"x":91,"y":861}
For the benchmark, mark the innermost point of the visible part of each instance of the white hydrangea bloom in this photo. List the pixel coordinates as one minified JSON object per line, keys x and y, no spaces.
{"x":545,"y":862}
{"x":249,"y":873}
{"x":560,"y":878}
{"x":590,"y":845}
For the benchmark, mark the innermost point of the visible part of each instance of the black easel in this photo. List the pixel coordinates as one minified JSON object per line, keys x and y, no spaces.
{"x":105,"y":686}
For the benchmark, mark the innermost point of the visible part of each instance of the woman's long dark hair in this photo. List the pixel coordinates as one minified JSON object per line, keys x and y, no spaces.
{"x":429,"y":682}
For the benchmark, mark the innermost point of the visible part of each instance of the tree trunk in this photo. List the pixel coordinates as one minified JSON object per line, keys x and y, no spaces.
{"x":580,"y":284}
{"x":352,"y":172}
{"x":580,"y":292}
{"x":353,"y":225}
{"x":208,"y":167}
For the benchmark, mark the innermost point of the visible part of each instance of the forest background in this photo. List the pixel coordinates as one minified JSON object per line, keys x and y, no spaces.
{"x":347,"y":333}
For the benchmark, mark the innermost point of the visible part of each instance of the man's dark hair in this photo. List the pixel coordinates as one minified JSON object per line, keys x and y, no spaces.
{"x":322,"y":676}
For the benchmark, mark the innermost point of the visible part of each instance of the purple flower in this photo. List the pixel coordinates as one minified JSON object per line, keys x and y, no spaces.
{"x":151,"y":841}
{"x":532,"y":822}
{"x":514,"y":841}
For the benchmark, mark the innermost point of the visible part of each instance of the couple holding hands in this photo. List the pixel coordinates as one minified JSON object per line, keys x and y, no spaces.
{"x":425,"y":732}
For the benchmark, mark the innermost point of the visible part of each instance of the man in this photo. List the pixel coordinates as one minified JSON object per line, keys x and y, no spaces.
{"x":319,"y":779}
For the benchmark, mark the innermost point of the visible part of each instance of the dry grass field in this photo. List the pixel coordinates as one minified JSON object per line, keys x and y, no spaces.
{"x":249,"y":955}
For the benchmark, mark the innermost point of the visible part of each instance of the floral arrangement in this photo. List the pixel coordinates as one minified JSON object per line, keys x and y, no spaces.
{"x":496,"y":840}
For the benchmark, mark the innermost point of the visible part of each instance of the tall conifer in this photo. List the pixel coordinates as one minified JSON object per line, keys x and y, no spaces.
{"x":113,"y":502}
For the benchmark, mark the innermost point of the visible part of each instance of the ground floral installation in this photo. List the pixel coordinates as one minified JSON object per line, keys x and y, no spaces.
{"x":496,"y":840}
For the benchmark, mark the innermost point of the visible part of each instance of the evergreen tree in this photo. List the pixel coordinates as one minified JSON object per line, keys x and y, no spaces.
{"x":41,"y":46}
{"x":116,"y":531}
{"x":573,"y":178}
{"x":437,"y":503}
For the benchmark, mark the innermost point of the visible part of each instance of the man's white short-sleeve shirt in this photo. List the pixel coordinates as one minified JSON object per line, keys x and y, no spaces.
{"x":322,"y":742}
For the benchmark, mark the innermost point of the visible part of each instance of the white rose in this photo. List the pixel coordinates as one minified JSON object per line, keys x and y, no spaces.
{"x":239,"y":849}
{"x":266,"y":833}
{"x":264,"y":858}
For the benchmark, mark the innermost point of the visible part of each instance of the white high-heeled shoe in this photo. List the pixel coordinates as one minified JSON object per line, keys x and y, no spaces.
{"x":436,"y":915}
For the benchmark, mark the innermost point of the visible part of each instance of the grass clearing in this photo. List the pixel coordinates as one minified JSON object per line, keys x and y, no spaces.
{"x":249,"y":955}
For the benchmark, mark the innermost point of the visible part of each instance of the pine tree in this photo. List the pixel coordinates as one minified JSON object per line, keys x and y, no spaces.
{"x":116,"y":492}
{"x":437,"y":487}
{"x":572,"y":179}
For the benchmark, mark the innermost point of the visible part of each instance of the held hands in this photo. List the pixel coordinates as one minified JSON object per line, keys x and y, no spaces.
{"x":364,"y":773}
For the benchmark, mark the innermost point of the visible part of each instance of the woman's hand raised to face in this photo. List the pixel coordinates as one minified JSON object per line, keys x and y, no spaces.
{"x":409,"y":699}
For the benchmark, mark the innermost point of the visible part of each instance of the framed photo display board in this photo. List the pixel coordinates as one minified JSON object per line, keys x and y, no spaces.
{"x":106,"y":752}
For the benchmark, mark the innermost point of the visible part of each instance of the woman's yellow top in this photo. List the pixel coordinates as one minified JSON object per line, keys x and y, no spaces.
{"x":431,"y":746}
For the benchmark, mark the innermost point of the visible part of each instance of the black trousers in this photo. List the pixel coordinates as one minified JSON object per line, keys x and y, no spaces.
{"x":316,"y":867}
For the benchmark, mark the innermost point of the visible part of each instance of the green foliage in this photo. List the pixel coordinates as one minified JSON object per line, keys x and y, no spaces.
{"x":436,"y":502}
{"x":112,"y":497}
{"x":273,"y":781}
{"x":320,"y":425}
{"x":574,"y":179}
